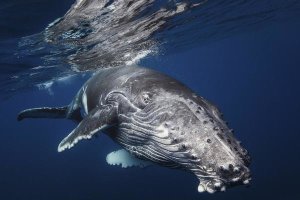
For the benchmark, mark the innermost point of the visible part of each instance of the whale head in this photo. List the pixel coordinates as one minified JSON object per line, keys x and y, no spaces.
{"x":182,"y":130}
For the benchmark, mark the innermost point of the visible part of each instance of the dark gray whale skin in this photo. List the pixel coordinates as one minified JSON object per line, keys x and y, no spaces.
{"x":155,"y":118}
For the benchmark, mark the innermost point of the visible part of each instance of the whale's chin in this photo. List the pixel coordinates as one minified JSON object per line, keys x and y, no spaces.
{"x":214,"y":184}
{"x":211,"y":185}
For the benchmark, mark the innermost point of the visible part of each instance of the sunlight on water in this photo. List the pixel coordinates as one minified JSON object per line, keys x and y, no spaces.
{"x":96,"y":34}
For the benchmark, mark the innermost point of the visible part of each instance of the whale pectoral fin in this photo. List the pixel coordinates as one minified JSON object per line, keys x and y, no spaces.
{"x":125,"y":159}
{"x":44,"y":112}
{"x":98,"y":119}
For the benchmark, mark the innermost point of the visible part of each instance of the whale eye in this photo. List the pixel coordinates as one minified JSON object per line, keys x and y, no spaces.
{"x":146,"y":97}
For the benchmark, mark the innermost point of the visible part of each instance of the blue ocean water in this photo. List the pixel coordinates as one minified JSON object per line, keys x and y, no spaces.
{"x":251,"y":73}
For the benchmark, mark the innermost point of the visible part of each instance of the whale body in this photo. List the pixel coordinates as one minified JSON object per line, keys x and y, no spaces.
{"x":158,"y":119}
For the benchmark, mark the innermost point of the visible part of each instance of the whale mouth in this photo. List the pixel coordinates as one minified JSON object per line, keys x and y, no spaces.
{"x":216,"y":184}
{"x":211,"y":186}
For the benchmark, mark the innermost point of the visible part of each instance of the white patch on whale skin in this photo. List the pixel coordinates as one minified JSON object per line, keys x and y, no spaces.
{"x":84,"y":101}
{"x":53,"y":23}
{"x":78,"y":3}
{"x":201,"y":188}
{"x":125,"y":159}
{"x":162,"y":132}
{"x":67,"y":143}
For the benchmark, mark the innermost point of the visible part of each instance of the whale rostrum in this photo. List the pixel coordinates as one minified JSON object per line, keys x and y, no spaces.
{"x":156,"y":119}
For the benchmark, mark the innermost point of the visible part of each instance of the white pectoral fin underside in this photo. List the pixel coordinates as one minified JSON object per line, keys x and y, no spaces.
{"x":98,"y":119}
{"x":125,"y":159}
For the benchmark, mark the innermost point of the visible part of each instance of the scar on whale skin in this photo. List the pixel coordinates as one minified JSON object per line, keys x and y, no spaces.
{"x":156,"y":119}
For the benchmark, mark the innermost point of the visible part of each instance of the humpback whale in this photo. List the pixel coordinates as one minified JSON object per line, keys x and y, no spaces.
{"x":157,"y":119}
